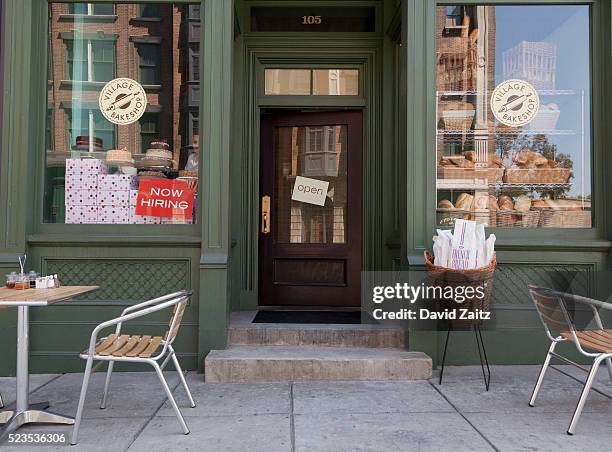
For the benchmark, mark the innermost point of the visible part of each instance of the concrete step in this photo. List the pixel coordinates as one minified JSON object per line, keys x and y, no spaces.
{"x":242,"y":332}
{"x":277,"y":363}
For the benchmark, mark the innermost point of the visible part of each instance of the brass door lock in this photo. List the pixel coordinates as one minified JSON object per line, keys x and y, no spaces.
{"x":265,"y":214}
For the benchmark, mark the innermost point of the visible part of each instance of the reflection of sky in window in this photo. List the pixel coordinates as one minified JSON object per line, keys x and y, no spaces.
{"x":567,"y":27}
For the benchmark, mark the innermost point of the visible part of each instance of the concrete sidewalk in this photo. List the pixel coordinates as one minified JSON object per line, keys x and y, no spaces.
{"x":331,"y":416}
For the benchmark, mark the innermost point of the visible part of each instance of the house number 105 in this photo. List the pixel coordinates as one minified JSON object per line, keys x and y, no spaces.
{"x":311,"y":20}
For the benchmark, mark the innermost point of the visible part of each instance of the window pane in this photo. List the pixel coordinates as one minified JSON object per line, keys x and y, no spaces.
{"x":77,"y":8}
{"x":149,"y":64}
{"x":335,"y":82}
{"x":288,"y":81}
{"x":103,"y":54}
{"x":82,"y":145}
{"x":76,"y":59}
{"x":514,"y":125}
{"x":149,"y":10}
{"x":103,"y":9}
{"x":319,"y":153}
{"x":149,"y":129}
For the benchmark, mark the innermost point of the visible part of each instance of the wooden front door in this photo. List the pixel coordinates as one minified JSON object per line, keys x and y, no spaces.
{"x":310,"y":254}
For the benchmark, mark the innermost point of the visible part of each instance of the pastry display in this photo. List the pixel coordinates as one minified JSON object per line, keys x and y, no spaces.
{"x":464,"y":201}
{"x":119,"y":155}
{"x":522,"y":203}
{"x":504,"y":202}
{"x":158,"y":154}
{"x":82,"y":144}
{"x":152,"y":174}
{"x":84,"y":140}
{"x":493,"y":203}
{"x":160,"y":144}
{"x":445,"y":204}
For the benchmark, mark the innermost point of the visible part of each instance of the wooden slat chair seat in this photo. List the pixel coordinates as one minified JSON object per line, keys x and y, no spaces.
{"x":552,"y":307}
{"x":127,"y":346}
{"x":598,"y":340}
{"x":156,"y":351}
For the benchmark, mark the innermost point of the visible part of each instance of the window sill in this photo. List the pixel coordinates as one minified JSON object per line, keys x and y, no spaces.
{"x":145,"y":19}
{"x":81,"y":84}
{"x":137,"y":237}
{"x":153,"y":88}
{"x":87,"y":17}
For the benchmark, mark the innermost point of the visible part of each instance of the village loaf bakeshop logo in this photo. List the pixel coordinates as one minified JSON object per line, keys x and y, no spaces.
{"x":515,"y":102}
{"x":123,"y":101}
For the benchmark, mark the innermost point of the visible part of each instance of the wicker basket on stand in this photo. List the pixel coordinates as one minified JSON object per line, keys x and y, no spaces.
{"x":479,"y":277}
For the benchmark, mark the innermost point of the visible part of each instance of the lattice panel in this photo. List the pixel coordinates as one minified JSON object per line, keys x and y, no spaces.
{"x":125,"y":280}
{"x":511,"y":280}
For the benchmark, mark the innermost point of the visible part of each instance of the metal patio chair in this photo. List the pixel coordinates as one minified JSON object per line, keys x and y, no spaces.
{"x":150,"y":350}
{"x":595,"y":344}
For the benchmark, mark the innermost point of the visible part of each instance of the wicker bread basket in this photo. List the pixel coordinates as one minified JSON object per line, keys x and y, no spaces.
{"x":550,"y":218}
{"x":454,"y":172}
{"x":537,"y":175}
{"x":516,"y":219}
{"x":446,"y":277}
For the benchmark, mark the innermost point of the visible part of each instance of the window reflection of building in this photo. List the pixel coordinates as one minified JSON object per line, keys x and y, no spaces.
{"x":156,"y":44}
{"x":534,"y":62}
{"x":318,"y":153}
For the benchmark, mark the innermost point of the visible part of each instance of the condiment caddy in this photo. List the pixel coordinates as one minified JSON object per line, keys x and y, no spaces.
{"x":21,"y":281}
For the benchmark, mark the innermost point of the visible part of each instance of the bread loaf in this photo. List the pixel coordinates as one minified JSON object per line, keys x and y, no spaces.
{"x":495,"y":161}
{"x":445,"y":204}
{"x":464,"y":201}
{"x":493,"y":203}
{"x":504,"y":202}
{"x":523,"y":203}
{"x":470,"y":155}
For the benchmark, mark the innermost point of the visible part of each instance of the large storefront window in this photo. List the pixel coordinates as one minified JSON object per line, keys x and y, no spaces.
{"x":112,"y":156}
{"x":513,"y":115}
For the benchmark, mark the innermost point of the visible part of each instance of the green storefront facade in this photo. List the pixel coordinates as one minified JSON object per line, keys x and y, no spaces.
{"x":392,"y":47}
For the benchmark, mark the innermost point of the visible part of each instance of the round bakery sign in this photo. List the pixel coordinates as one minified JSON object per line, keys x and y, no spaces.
{"x":515,"y":102}
{"x":123,"y":101}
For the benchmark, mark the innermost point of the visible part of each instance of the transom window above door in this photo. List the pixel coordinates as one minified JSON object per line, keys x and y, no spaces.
{"x":312,"y":82}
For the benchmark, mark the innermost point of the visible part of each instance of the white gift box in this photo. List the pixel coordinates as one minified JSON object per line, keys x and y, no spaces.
{"x":117,"y":182}
{"x":81,"y":182}
{"x":113,"y":215}
{"x":80,"y":198}
{"x":143,"y":219}
{"x":86,"y":167}
{"x":116,"y":198}
{"x":93,"y":167}
{"x":81,"y":214}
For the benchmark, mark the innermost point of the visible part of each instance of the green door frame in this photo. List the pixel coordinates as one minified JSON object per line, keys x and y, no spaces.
{"x":257,"y":51}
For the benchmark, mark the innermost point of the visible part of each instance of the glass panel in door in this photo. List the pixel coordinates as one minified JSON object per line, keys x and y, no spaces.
{"x":315,"y":152}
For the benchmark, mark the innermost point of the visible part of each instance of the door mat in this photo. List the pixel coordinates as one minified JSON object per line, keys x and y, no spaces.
{"x":342,"y":317}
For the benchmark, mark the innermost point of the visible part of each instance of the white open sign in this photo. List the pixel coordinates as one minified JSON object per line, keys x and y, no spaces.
{"x":311,"y":191}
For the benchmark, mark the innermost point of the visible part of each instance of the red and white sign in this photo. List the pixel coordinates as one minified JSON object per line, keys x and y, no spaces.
{"x":164,"y":198}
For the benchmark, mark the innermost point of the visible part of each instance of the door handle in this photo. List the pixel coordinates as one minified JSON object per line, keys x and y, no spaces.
{"x":265,"y":214}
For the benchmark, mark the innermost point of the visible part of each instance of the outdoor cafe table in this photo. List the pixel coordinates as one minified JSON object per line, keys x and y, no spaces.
{"x":23,"y":412}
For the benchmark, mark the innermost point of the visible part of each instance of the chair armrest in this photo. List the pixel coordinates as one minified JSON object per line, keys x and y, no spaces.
{"x":154,"y":301}
{"x":588,"y":301}
{"x":134,"y":315}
